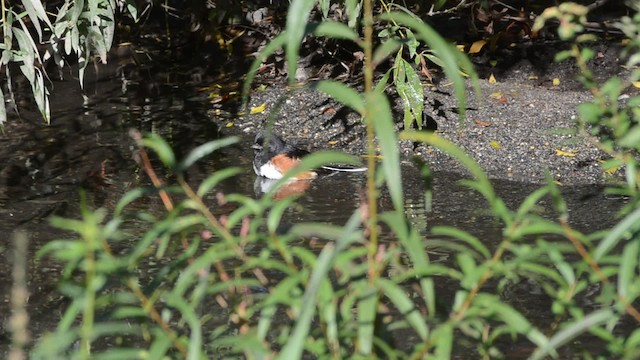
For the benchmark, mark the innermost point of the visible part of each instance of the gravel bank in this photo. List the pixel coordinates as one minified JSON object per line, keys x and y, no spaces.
{"x":518,"y":126}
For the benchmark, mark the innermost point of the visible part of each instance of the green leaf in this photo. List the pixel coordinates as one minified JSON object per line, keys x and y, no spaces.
{"x":30,"y":7}
{"x":482,"y":183}
{"x":453,"y":60}
{"x":442,"y":337}
{"x":619,"y":232}
{"x":367,"y":304}
{"x":590,"y":112}
{"x":130,"y":197}
{"x":385,"y":50}
{"x":353,"y":11}
{"x":156,"y":143}
{"x":276,"y":213}
{"x":132,"y":8}
{"x":412,"y":43}
{"x":297,"y":18}
{"x":3,"y":109}
{"x":627,"y":288}
{"x":273,"y":45}
{"x":342,"y":93}
{"x":334,"y":30}
{"x":405,"y":306}
{"x":382,"y":83}
{"x":411,"y":93}
{"x":213,"y":180}
{"x":460,"y":234}
{"x":204,"y":150}
{"x":414,"y":247}
{"x":569,"y":333}
{"x":380,"y":111}
{"x":294,"y":346}
{"x":631,"y":139}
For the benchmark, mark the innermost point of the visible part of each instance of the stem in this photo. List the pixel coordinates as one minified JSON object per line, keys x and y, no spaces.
{"x":371,"y":149}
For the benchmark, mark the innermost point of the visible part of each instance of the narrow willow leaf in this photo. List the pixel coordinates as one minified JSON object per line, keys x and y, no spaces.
{"x":3,"y":109}
{"x":382,"y":83}
{"x":385,"y":50}
{"x":631,"y":139}
{"x":627,"y":273}
{"x":414,"y":247}
{"x":353,"y":11}
{"x":569,"y":333}
{"x":482,"y":183}
{"x":324,"y":231}
{"x":459,"y":234}
{"x":324,"y":6}
{"x":442,"y":337}
{"x":342,"y":93}
{"x":452,"y":59}
{"x":27,"y":54}
{"x":297,"y":18}
{"x":532,"y":200}
{"x":405,"y":306}
{"x":213,"y":180}
{"x":367,"y":304}
{"x":618,"y":233}
{"x":334,"y":30}
{"x":204,"y":150}
{"x":132,"y":8}
{"x":162,"y":149}
{"x":273,"y":220}
{"x":76,"y":11}
{"x":380,"y":113}
{"x":295,"y":344}
{"x":275,"y":44}
{"x":33,"y":15}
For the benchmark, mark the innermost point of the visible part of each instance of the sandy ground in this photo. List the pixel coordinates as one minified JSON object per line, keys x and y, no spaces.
{"x":518,"y":127}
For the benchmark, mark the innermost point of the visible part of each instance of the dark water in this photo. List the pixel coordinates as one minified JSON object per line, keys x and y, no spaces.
{"x":87,"y":146}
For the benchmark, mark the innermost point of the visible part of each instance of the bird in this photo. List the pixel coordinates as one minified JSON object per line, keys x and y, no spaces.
{"x":274,"y":157}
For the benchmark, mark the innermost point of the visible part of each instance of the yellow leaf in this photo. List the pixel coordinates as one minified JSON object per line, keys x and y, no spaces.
{"x":477,"y":46}
{"x":229,"y":124}
{"x":564,"y":153}
{"x":258,"y":109}
{"x":496,"y":95}
{"x":533,"y":77}
{"x":636,"y":84}
{"x":495,"y":145}
{"x":460,"y":47}
{"x":492,"y":79}
{"x":332,"y":142}
{"x":556,"y":82}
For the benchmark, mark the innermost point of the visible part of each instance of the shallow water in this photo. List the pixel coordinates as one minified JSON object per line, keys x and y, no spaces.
{"x":88,"y":147}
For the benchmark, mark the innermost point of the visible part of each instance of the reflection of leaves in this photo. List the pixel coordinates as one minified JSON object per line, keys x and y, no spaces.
{"x":410,"y":90}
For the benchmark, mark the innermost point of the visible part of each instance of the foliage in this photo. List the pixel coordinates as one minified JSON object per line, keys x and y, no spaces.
{"x":238,"y":284}
{"x":80,"y":29}
{"x":614,"y":119}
